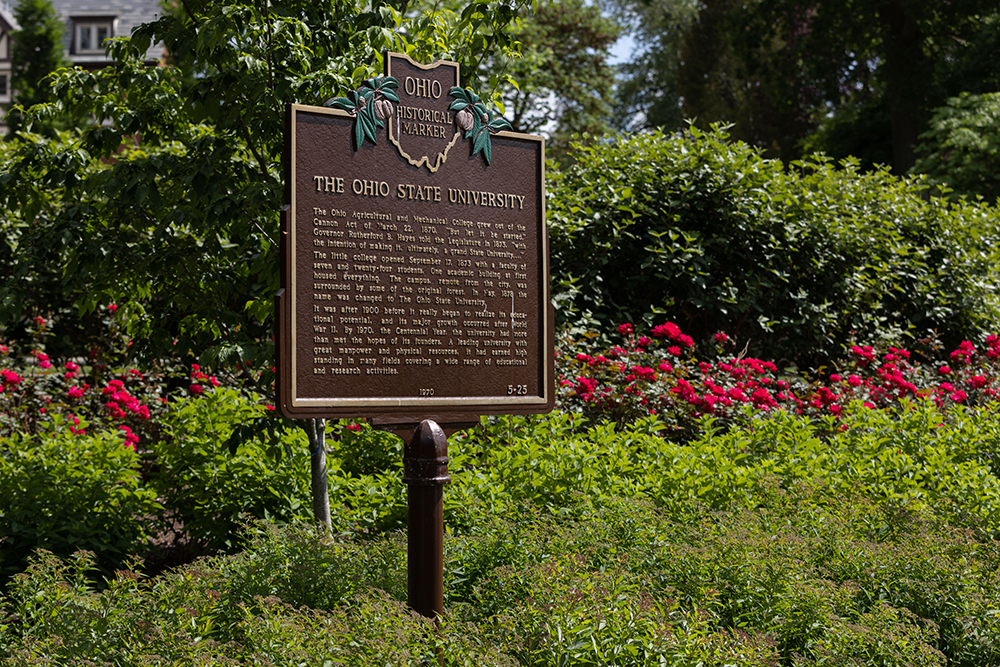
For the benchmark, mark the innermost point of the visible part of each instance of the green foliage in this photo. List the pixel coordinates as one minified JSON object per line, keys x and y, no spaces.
{"x":914,"y":458}
{"x":288,"y":562}
{"x":869,"y":541}
{"x":169,"y":206}
{"x":36,"y":51}
{"x":361,"y":450}
{"x":800,"y":578}
{"x":843,"y":77}
{"x":625,"y":584}
{"x":564,"y":84}
{"x":206,"y":490}
{"x":959,"y":150}
{"x":63,"y":492}
{"x":795,"y":262}
{"x":205,"y":614}
{"x":79,"y":484}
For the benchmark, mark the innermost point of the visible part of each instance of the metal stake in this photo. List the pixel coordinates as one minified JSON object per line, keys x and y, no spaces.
{"x":425,"y":472}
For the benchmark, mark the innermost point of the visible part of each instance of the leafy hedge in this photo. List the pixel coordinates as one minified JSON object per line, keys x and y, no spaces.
{"x":206,"y":490}
{"x":169,"y":490}
{"x":797,"y":260}
{"x":915,"y":459}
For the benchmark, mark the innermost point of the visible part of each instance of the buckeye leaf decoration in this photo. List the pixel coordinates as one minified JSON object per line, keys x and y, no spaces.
{"x":369,"y":104}
{"x":477,"y":121}
{"x":366,"y":123}
{"x":384,"y":87}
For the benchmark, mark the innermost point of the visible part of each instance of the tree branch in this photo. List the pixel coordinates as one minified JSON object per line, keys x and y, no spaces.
{"x":246,"y":135}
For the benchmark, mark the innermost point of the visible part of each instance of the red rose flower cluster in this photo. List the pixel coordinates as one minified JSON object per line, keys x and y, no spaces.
{"x":659,"y":376}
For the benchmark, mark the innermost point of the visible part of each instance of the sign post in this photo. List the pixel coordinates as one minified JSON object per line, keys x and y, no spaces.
{"x":414,"y":271}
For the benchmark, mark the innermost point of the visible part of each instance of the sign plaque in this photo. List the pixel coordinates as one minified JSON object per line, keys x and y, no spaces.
{"x":415,"y":277}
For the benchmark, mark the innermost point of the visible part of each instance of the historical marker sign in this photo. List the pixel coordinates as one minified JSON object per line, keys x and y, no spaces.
{"x":415,"y":258}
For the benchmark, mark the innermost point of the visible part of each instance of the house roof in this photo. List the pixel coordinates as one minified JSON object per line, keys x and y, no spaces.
{"x":127,"y":14}
{"x":7,"y":20}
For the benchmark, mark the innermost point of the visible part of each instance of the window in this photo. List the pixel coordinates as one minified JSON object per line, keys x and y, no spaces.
{"x":90,"y":36}
{"x":3,"y":85}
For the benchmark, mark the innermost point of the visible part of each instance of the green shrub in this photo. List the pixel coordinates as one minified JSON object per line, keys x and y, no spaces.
{"x":64,"y":491}
{"x":797,"y":261}
{"x":362,"y":450}
{"x":917,"y":457}
{"x":868,"y":540}
{"x":801,"y":578}
{"x":229,"y":611}
{"x":205,"y":489}
{"x":296,"y":564}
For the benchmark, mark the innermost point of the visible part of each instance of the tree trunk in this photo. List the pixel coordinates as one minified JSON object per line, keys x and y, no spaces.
{"x":905,"y":134}
{"x":907,"y":74}
{"x":316,"y":429}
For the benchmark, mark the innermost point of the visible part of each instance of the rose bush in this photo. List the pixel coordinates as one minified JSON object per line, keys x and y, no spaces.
{"x":658,"y":374}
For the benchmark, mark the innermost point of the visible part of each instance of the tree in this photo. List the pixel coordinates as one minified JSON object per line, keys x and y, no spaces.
{"x":961,"y":150}
{"x":169,"y":206}
{"x":841,"y":76}
{"x":557,"y":81}
{"x":895,"y":57}
{"x":564,"y":82}
{"x":178,"y":223}
{"x":694,"y":63}
{"x":36,"y":51}
{"x":649,"y":91}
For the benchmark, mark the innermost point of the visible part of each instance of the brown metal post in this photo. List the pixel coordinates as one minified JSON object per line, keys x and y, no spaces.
{"x":425,"y":472}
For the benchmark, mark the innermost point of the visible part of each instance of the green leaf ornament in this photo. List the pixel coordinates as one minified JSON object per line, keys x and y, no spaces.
{"x":484,"y":121}
{"x":363,"y":104}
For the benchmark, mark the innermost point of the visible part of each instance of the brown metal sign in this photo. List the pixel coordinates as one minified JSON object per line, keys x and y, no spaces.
{"x":414,"y":256}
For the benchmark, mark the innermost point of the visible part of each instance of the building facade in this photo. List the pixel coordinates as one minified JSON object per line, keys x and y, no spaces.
{"x":87,"y":24}
{"x":7,"y":25}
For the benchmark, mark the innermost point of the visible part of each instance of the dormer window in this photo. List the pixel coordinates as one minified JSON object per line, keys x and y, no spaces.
{"x":91,"y":35}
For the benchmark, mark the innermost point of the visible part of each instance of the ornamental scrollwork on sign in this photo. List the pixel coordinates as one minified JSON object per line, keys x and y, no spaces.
{"x":372,"y":104}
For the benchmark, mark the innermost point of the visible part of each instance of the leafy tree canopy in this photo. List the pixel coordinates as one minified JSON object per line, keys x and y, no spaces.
{"x":169,"y":206}
{"x":564,"y":84}
{"x":961,"y":150}
{"x":845,"y":77}
{"x":557,"y":82}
